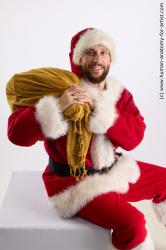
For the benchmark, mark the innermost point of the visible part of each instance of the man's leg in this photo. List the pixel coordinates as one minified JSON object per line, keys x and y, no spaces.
{"x":152,"y":186}
{"x":112,"y":211}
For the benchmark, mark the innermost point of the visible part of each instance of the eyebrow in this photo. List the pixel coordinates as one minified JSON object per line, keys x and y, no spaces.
{"x":91,"y":49}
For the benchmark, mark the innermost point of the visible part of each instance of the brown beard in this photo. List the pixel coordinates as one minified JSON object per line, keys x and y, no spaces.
{"x":87,"y":74}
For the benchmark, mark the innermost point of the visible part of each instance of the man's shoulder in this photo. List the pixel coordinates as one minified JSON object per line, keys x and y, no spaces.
{"x":115,"y":87}
{"x":118,"y":90}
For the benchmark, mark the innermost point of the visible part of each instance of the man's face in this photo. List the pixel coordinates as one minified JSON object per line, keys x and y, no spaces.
{"x":95,"y":63}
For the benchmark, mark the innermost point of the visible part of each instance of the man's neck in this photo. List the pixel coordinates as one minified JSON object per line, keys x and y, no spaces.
{"x":100,"y":86}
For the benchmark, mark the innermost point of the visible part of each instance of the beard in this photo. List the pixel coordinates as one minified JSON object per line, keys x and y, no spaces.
{"x":88,"y":75}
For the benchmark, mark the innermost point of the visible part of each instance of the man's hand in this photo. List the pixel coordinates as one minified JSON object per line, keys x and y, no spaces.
{"x":75,"y":94}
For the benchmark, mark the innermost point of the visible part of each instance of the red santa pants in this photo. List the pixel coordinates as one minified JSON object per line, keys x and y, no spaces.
{"x":113,"y":210}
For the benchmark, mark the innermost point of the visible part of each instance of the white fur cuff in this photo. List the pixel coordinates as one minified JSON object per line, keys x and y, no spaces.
{"x":50,"y":117}
{"x":160,"y":210}
{"x":103,"y":117}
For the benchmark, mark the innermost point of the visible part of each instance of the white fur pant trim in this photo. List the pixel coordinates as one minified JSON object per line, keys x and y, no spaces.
{"x":70,"y":201}
{"x":160,"y":211}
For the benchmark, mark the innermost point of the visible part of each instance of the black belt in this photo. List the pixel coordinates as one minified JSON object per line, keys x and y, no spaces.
{"x":64,"y":170}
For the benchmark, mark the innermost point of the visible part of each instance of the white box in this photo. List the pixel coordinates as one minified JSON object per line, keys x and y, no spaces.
{"x":28,"y":223}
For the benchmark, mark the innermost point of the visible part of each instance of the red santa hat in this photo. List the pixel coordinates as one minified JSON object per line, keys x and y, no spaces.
{"x":85,"y":39}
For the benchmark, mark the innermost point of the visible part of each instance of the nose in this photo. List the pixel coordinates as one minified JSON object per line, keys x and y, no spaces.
{"x":96,"y":57}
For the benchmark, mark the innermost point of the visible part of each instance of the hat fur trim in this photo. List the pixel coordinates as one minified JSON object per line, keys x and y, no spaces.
{"x":91,"y":38}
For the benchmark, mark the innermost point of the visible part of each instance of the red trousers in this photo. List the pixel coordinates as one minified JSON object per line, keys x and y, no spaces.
{"x":113,"y":210}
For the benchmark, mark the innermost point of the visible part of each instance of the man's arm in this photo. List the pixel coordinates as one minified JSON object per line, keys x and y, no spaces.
{"x":128,"y":130}
{"x":23,"y":128}
{"x":27,"y":125}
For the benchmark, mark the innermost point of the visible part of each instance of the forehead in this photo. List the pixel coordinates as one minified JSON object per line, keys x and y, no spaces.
{"x":97,"y":47}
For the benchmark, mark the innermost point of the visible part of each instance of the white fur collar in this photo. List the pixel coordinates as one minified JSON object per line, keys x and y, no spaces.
{"x":102,"y":118}
{"x":113,"y":89}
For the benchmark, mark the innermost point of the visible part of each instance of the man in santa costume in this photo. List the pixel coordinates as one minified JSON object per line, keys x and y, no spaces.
{"x":112,"y":180}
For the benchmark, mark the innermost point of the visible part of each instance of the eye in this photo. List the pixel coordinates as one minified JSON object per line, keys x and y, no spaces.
{"x":89,"y":52}
{"x":104,"y":52}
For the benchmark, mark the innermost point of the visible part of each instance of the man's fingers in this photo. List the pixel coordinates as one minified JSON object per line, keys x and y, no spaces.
{"x":74,"y":88}
{"x":81,"y":95}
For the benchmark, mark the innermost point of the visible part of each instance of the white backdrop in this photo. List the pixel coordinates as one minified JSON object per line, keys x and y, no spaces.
{"x":37,"y":33}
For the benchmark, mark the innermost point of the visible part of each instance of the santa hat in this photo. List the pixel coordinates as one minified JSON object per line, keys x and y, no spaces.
{"x":85,"y":39}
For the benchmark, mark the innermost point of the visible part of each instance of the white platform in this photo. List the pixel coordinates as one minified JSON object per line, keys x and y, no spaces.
{"x":28,"y":223}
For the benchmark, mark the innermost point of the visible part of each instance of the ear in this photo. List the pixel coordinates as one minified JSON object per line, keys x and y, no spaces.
{"x":110,"y":56}
{"x":80,"y":61}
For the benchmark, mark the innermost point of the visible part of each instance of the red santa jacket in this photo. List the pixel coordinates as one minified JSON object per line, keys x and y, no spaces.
{"x":115,"y":122}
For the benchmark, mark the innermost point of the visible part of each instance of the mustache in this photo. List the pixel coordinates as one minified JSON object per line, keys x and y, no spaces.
{"x":96,"y":64}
